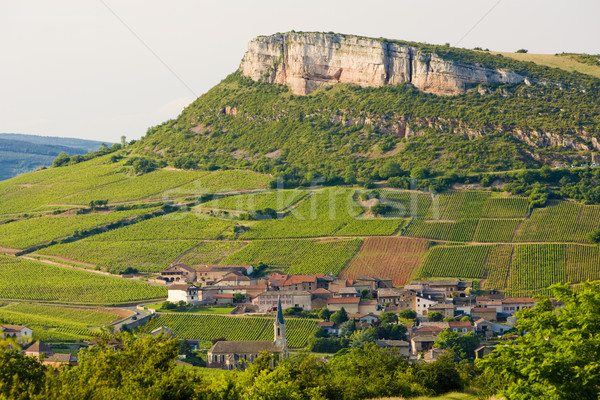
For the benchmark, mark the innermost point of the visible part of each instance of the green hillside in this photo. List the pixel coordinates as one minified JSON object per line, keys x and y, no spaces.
{"x":251,"y":173}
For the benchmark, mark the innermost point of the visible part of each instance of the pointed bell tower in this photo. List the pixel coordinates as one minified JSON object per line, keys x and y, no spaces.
{"x":279,"y":327}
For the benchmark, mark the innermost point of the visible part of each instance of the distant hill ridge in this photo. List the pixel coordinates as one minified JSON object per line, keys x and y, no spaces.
{"x":21,"y":153}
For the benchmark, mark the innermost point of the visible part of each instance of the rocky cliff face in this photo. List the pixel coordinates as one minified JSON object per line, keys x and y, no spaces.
{"x":308,"y":61}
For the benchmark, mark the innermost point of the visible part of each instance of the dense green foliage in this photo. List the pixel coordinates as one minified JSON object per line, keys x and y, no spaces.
{"x":557,"y":358}
{"x":145,"y":369}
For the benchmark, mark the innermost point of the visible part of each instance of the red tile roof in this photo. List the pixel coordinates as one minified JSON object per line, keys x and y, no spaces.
{"x":459,"y":324}
{"x":344,"y":300}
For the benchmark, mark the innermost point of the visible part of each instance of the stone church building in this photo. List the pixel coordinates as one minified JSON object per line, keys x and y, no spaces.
{"x":237,"y":354}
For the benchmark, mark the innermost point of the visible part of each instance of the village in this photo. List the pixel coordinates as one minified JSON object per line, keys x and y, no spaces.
{"x":431,"y":306}
{"x":423,"y":308}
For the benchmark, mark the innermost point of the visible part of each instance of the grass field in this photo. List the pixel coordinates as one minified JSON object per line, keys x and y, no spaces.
{"x":298,"y":256}
{"x":22,"y":279}
{"x":208,"y":327}
{"x":57,"y":323}
{"x":555,"y":61}
{"x":394,"y":258}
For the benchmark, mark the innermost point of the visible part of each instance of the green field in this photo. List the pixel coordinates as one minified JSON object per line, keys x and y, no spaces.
{"x":321,"y":213}
{"x":208,"y":327}
{"x":298,"y":256}
{"x":22,"y":279}
{"x":210,"y":252}
{"x":57,"y":323}
{"x":28,"y":232}
{"x":176,"y":226}
{"x":148,"y":256}
{"x":277,"y":200}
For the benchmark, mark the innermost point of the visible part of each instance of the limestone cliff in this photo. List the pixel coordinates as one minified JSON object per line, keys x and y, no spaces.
{"x":308,"y":61}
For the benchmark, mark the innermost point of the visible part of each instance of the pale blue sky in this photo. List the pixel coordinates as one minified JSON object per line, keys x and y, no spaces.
{"x":71,"y":68}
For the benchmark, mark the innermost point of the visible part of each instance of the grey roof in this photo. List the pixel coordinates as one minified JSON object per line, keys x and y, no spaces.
{"x":39,"y":347}
{"x":392,"y":343}
{"x":237,"y":347}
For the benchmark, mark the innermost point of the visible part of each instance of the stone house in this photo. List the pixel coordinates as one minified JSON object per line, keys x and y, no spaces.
{"x":20,"y":333}
{"x":182,"y":292}
{"x":483,"y":312}
{"x":511,"y":305}
{"x":268,"y":301}
{"x":178,"y":273}
{"x":461,"y":327}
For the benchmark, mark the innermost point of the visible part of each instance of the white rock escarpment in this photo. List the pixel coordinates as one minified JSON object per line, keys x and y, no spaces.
{"x":308,"y":61}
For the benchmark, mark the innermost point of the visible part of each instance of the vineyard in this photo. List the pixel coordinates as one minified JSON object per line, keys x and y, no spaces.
{"x":210,"y":252}
{"x":394,"y":258}
{"x":505,"y":207}
{"x":406,"y":204}
{"x":298,"y":256}
{"x":144,"y":255}
{"x":496,"y":230}
{"x":28,"y":232}
{"x":371,"y":227}
{"x":55,"y":323}
{"x":208,"y":327}
{"x":321,"y":213}
{"x":455,"y":261}
{"x":220,"y":182}
{"x":555,"y":223}
{"x":175,"y":226}
{"x":277,"y":200}
{"x":22,"y":279}
{"x":520,"y":270}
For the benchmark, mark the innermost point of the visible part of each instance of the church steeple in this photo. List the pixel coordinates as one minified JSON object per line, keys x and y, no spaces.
{"x":279,"y":327}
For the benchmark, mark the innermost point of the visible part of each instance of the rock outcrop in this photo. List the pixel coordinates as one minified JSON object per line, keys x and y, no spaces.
{"x":308,"y":61}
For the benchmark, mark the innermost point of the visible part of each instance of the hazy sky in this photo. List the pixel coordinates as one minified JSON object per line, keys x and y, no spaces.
{"x":101,"y":69}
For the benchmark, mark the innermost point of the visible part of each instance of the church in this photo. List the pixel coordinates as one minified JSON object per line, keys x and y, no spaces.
{"x":232,"y":355}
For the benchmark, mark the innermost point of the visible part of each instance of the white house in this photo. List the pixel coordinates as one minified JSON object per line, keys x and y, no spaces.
{"x":422,"y":305}
{"x":181,"y":292}
{"x":20,"y":333}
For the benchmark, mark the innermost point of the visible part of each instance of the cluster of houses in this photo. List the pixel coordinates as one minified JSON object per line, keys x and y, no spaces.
{"x":363,"y":298}
{"x":23,"y":336}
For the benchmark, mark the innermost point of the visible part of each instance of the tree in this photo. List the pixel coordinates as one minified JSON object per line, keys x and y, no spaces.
{"x":339,"y":317}
{"x":62,"y":159}
{"x":408,"y":313}
{"x":388,"y":317}
{"x":390,"y":169}
{"x":239,"y":298}
{"x":522,"y":51}
{"x":594,"y":237}
{"x":435,"y":316}
{"x":324,"y":314}
{"x":558,"y":357}
{"x":463,"y":346}
{"x":362,"y":337}
{"x":366,"y":294}
{"x":381,"y":208}
{"x":347,"y":328}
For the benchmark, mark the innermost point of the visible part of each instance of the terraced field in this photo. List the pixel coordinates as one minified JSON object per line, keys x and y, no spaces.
{"x":209,"y":327}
